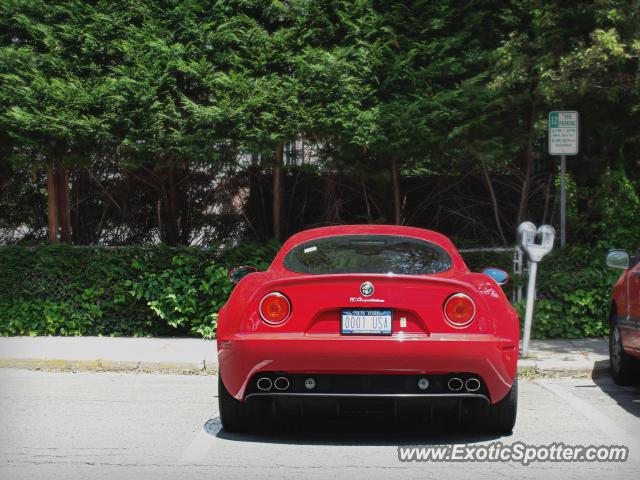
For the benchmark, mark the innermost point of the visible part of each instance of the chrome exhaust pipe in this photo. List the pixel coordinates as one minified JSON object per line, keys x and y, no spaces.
{"x":455,"y":384}
{"x":472,"y":384}
{"x":281,"y":383}
{"x":264,"y":384}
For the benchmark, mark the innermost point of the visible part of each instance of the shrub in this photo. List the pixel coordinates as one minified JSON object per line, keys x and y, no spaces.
{"x":186,"y":293}
{"x":133,"y":291}
{"x":572,"y":290}
{"x":140,"y":291}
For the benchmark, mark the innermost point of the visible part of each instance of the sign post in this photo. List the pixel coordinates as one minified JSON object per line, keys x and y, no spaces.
{"x":563,"y":141}
{"x":563,"y":201}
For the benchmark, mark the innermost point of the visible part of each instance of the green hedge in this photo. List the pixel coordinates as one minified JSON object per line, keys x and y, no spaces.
{"x":134,"y":291}
{"x":61,"y":290}
{"x":573,"y":290}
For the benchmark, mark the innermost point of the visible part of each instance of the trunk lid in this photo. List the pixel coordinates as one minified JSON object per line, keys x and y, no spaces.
{"x":416,"y":302}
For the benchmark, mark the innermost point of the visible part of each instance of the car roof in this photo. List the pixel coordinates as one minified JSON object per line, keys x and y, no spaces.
{"x":399,"y":230}
{"x":371,"y":229}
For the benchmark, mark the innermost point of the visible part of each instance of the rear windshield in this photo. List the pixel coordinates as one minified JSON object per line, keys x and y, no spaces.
{"x":368,"y":254}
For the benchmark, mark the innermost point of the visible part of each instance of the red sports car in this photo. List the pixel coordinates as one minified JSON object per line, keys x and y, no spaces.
{"x":364,"y":317}
{"x":624,"y":318}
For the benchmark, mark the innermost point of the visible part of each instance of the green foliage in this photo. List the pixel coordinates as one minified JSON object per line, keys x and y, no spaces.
{"x":612,"y":220}
{"x":250,"y":253}
{"x":187,"y":292}
{"x":53,"y":100}
{"x":61,"y":290}
{"x":573,"y":290}
{"x":134,"y":291}
{"x":438,"y":86}
{"x":574,"y":285}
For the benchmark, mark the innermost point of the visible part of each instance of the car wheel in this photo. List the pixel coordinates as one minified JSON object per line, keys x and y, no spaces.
{"x":501,"y":417}
{"x":234,"y":415}
{"x":623,"y":367}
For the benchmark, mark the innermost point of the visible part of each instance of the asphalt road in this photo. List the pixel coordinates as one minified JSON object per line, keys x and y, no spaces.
{"x":121,"y":426}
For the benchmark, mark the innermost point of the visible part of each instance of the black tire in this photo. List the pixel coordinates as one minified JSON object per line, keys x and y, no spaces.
{"x":501,"y":416}
{"x":234,"y":415}
{"x":624,"y":369}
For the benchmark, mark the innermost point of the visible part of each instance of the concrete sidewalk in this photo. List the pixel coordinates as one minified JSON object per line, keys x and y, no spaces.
{"x":561,"y":357}
{"x":188,"y":355}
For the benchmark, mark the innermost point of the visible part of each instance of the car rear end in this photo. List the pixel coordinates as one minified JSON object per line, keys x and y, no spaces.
{"x":318,"y":328}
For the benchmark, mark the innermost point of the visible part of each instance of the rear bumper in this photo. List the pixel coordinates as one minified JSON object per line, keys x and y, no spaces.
{"x":492,"y":358}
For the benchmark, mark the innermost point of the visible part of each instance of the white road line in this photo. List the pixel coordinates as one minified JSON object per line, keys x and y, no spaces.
{"x":202,"y":443}
{"x":617,"y":435}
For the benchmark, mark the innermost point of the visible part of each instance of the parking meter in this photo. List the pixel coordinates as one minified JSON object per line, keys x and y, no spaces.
{"x":527,"y":236}
{"x":536,"y":251}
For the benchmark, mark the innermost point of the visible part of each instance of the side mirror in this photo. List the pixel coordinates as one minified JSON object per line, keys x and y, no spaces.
{"x":500,"y":276}
{"x":239,"y":273}
{"x":618,"y":259}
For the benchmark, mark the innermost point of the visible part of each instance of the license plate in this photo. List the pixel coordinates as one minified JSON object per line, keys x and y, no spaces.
{"x":365,"y":322}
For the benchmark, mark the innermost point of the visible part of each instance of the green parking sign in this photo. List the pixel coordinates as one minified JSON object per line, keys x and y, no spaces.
{"x":563,"y":133}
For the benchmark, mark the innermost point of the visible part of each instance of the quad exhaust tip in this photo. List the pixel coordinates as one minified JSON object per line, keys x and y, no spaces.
{"x":281,"y":383}
{"x":455,"y":384}
{"x":264,"y":384}
{"x":472,"y":384}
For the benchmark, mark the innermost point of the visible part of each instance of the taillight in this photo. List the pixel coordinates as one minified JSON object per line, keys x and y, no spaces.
{"x":459,"y":310}
{"x":275,"y":308}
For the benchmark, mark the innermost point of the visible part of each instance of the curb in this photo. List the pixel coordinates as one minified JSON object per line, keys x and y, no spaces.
{"x":60,"y":365}
{"x":187,"y":368}
{"x":537,"y":371}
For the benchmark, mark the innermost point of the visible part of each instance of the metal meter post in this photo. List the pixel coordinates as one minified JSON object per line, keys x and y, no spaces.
{"x":527,"y":235}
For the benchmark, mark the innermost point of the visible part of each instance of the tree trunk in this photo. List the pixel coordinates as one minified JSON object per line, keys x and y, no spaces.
{"x":59,"y":217}
{"x":52,"y":205}
{"x":64,"y":211}
{"x":366,"y":200}
{"x":331,"y":200}
{"x":173,"y":225}
{"x":277,"y":194}
{"x":528,"y":159}
{"x":159,"y":218}
{"x":494,"y":201}
{"x":256,"y":209}
{"x":82,"y":227}
{"x":524,"y":194}
{"x":185,"y":219}
{"x":395,"y":181}
{"x":547,"y":196}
